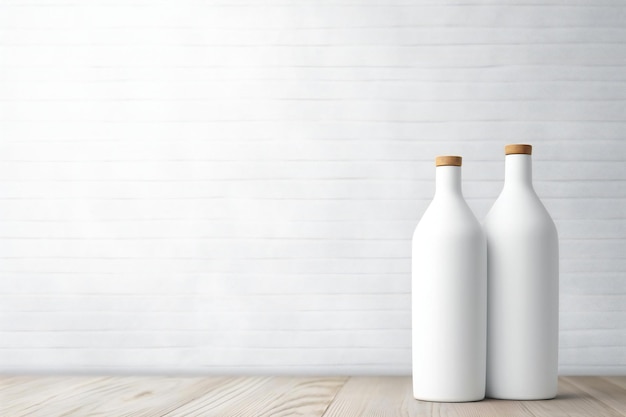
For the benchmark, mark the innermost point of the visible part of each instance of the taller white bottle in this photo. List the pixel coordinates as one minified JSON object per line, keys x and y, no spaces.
{"x":523,"y":288}
{"x":449,"y":291}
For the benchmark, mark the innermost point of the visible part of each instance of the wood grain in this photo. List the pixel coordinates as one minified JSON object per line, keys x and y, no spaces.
{"x":618,"y":380}
{"x":113,"y":396}
{"x":571,"y":400}
{"x":29,"y":396}
{"x":266,"y":396}
{"x":263,"y":396}
{"x":602,"y":389}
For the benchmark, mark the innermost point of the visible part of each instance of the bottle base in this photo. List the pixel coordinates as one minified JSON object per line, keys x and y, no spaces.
{"x":513,"y":397}
{"x":436,"y":399}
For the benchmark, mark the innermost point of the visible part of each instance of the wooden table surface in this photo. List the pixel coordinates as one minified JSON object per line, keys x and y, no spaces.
{"x":260,"y":396}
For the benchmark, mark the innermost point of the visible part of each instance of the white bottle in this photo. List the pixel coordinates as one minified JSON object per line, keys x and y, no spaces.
{"x":523,"y":288}
{"x":449,"y":295}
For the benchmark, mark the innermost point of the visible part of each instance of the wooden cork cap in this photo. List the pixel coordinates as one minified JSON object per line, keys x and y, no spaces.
{"x":454,"y":161}
{"x":518,"y":149}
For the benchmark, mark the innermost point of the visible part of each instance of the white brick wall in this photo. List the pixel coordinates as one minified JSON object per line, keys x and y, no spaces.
{"x":231,"y":186}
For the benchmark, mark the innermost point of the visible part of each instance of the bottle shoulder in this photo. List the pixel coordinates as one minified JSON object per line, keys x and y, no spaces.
{"x":448,"y":216}
{"x":518,"y":210}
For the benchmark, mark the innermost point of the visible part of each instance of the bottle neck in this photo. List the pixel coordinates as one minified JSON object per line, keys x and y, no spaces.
{"x":448,"y":181}
{"x":518,"y":171}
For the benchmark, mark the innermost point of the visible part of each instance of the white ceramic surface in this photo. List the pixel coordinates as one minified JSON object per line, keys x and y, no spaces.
{"x":449,"y":297}
{"x":523,"y":290}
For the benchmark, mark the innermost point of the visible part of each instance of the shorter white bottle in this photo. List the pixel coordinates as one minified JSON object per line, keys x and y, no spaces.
{"x":449,"y":295}
{"x":523,"y":291}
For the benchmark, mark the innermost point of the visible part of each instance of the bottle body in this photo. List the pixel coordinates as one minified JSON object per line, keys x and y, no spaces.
{"x":523,"y":290}
{"x":449,"y":298}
